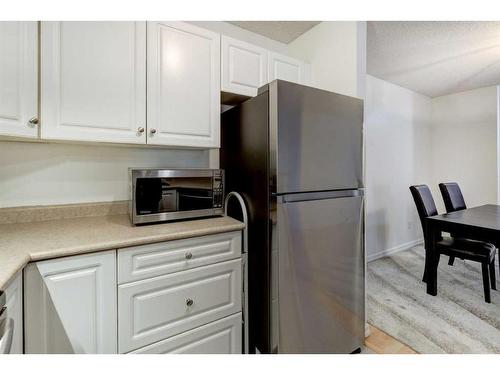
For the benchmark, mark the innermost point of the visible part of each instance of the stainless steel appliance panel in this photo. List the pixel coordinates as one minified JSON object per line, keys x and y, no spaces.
{"x":318,"y":276}
{"x":245,"y":156}
{"x":317,"y":137}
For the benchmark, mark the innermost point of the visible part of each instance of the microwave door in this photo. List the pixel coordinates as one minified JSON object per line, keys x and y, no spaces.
{"x":194,"y":200}
{"x":148,"y":195}
{"x":168,"y":202}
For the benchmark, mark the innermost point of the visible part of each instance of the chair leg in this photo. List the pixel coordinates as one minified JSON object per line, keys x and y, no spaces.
{"x":486,"y":282}
{"x":498,"y":261}
{"x":492,"y":275}
{"x":451,"y":261}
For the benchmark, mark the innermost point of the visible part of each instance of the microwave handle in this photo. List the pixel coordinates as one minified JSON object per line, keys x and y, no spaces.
{"x":193,"y":196}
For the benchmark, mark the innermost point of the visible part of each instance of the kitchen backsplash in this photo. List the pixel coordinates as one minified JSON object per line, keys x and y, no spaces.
{"x":53,"y":174}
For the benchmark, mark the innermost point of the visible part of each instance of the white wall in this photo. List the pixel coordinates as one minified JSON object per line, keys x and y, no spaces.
{"x":397,"y":146}
{"x":48,"y":173}
{"x":412,"y":139}
{"x":337,"y":53}
{"x":464,"y":144}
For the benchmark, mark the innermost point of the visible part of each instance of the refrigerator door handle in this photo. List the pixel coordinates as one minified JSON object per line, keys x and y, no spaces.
{"x":317,"y":195}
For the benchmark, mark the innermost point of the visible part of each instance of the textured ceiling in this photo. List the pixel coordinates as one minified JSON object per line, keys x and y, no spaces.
{"x":282,"y":31}
{"x":435,"y":58}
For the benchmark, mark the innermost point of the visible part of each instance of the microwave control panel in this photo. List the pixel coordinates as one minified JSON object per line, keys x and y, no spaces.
{"x":218,"y":189}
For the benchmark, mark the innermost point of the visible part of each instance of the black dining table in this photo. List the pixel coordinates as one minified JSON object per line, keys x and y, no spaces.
{"x":477,"y":223}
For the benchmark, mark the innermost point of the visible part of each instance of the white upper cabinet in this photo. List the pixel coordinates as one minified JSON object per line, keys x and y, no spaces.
{"x":244,"y":67}
{"x":99,"y":82}
{"x":93,"y":77}
{"x":287,"y":68}
{"x":18,"y":79}
{"x":183,"y":85}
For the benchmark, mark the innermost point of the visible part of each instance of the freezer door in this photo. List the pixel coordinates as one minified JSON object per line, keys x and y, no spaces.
{"x":315,"y":139}
{"x":318,"y":276}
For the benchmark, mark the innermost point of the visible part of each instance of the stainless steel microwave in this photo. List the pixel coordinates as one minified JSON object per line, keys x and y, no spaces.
{"x":172,"y":194}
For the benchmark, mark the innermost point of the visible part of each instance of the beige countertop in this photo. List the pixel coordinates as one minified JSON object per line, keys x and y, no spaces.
{"x":21,"y":243}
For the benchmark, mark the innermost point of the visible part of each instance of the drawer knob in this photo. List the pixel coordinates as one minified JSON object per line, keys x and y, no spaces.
{"x":33,"y":121}
{"x":189,"y":302}
{"x":189,"y":255}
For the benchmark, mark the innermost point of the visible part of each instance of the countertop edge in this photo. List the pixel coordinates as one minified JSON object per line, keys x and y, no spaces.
{"x":117,"y":245}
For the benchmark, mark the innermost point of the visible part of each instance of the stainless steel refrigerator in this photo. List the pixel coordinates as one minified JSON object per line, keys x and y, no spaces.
{"x":295,"y":155}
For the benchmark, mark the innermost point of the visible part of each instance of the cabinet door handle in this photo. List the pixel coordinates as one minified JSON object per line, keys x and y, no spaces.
{"x":140,"y":130}
{"x":189,"y":255}
{"x":153,"y":131}
{"x":189,"y":302}
{"x":33,"y":121}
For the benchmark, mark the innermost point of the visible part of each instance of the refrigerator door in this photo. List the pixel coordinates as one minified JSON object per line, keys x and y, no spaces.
{"x":318,"y":274}
{"x":315,"y":139}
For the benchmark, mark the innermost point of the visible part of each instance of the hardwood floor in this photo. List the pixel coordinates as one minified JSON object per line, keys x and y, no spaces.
{"x":380,"y":342}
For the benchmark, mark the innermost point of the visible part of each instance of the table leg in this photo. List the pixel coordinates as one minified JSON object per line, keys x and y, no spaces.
{"x":425,"y":278}
{"x":431,"y":259}
{"x":432,"y":283}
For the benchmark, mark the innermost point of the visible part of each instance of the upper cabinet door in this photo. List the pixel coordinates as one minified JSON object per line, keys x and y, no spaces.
{"x":244,"y":67}
{"x":183,"y":85}
{"x":94,"y":81}
{"x":18,"y":79}
{"x":286,"y":68}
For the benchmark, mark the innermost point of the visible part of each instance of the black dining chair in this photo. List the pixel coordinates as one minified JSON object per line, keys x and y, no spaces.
{"x":478,"y":251}
{"x":453,"y":201}
{"x":452,"y":196}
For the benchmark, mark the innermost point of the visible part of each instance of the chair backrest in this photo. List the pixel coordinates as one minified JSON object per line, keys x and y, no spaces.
{"x":424,"y":202}
{"x":452,"y":196}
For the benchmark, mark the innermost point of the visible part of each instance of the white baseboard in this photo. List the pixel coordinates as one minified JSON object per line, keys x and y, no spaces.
{"x":394,"y":250}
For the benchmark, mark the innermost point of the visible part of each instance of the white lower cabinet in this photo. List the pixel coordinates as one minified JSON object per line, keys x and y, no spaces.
{"x":145,"y":261}
{"x":14,"y":305}
{"x":182,"y":296}
{"x":154,"y":309}
{"x":70,"y":304}
{"x":220,"y":337}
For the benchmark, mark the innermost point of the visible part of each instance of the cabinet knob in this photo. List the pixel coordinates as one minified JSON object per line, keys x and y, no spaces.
{"x":189,"y":302}
{"x":140,"y":129}
{"x":153,"y":131}
{"x":189,"y":255}
{"x":33,"y":121}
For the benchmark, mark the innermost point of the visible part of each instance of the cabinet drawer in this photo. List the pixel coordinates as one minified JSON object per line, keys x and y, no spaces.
{"x":164,"y":306}
{"x":141,"y":262}
{"x":220,"y":337}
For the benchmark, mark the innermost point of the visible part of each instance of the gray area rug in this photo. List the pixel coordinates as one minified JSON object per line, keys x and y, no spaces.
{"x":457,"y":320}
